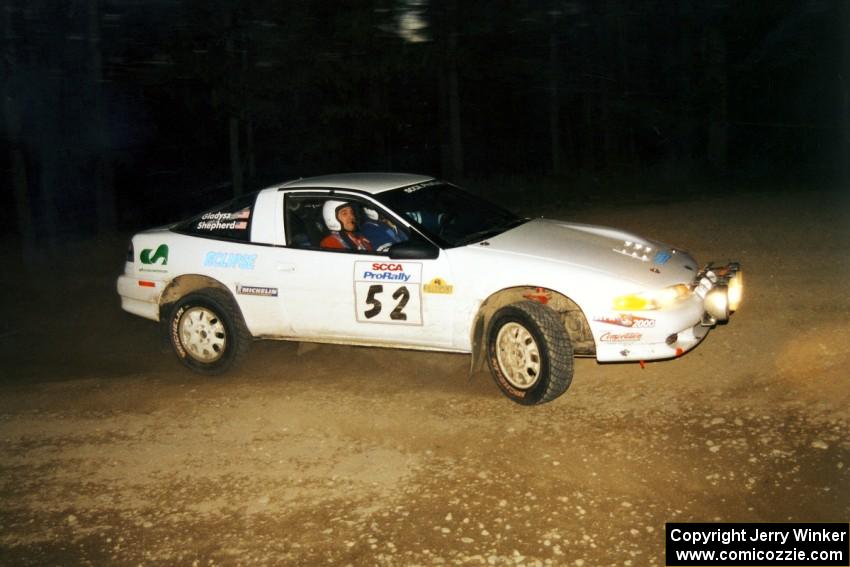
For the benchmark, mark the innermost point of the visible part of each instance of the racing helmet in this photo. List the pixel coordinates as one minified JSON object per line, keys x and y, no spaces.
{"x":371,"y":214}
{"x":330,"y":210}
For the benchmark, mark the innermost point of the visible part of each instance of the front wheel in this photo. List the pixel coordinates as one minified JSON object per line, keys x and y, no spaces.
{"x":529,"y":353}
{"x":207,"y":332}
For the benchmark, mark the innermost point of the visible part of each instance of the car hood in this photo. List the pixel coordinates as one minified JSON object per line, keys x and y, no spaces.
{"x":601,"y":249}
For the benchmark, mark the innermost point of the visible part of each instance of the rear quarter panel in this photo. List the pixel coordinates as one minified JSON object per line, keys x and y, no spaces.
{"x":246,"y":270}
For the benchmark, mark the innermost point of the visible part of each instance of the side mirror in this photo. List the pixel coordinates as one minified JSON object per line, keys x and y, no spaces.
{"x":414,"y":250}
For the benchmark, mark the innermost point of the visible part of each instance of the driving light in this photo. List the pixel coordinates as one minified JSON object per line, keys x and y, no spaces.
{"x":736,"y":291}
{"x":717,"y":302}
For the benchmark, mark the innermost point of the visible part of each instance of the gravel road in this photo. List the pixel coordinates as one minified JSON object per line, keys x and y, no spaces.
{"x":110,"y":452}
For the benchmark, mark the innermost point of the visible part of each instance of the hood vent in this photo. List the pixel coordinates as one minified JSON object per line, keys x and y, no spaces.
{"x":634,"y":250}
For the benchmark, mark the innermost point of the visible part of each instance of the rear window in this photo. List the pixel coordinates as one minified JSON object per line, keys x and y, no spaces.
{"x":229,"y":221}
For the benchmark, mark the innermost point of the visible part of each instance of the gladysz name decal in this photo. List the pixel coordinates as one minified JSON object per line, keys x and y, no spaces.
{"x":388,"y":292}
{"x":225,"y":221}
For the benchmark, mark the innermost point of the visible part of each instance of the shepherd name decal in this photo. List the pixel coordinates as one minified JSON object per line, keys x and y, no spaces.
{"x":225,"y":221}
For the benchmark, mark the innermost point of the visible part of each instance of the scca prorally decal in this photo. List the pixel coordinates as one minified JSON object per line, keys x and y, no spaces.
{"x":230,"y":260}
{"x":632,"y":321}
{"x":388,"y":293}
{"x":620,"y":337}
{"x":385,"y":271}
{"x":160,"y":254}
{"x":256,"y":290}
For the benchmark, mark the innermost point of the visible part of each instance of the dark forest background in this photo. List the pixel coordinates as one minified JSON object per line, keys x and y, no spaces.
{"x":119,"y":114}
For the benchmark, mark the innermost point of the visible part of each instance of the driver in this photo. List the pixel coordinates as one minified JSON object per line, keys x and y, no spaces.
{"x":381,"y":231}
{"x":341,"y":220}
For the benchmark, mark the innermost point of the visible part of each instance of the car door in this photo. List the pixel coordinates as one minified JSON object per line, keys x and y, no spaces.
{"x":355,"y":296}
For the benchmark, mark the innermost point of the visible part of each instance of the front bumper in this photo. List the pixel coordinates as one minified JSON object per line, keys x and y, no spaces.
{"x":671,"y":332}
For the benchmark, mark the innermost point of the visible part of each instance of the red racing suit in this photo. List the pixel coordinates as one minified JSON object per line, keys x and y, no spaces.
{"x":342,"y":240}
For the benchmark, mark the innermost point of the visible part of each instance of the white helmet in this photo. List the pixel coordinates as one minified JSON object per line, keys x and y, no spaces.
{"x":371,"y":214}
{"x":329,"y":212}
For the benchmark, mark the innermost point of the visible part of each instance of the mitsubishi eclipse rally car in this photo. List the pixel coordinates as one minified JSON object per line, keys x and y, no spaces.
{"x":409,"y":261}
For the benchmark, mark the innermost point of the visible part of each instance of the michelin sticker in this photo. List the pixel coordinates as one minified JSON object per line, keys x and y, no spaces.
{"x":256,"y":290}
{"x":388,"y":292}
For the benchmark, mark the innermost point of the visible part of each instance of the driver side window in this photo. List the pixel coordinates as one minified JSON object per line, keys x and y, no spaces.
{"x":339,"y":223}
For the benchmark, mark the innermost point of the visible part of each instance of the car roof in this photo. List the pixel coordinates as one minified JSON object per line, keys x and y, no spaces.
{"x":366,"y":182}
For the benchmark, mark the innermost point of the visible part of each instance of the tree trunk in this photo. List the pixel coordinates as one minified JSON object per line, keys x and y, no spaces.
{"x":684,"y":148}
{"x":844,"y":77}
{"x":104,"y":173}
{"x":608,"y":158}
{"x":452,"y":145}
{"x":234,"y":104}
{"x":718,"y":101}
{"x":554,"y":100}
{"x":52,"y":150}
{"x":235,"y":158}
{"x":454,"y":106}
{"x":589,"y":147}
{"x":12,"y":118}
{"x":250,"y":156}
{"x":609,"y":87}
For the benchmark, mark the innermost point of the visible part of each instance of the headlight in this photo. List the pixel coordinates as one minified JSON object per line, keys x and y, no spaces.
{"x":652,"y":300}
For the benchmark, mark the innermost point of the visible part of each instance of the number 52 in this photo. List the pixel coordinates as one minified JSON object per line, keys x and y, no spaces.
{"x":401,"y":295}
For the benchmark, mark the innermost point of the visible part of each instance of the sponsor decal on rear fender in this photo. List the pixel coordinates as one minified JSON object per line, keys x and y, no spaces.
{"x":149,"y":257}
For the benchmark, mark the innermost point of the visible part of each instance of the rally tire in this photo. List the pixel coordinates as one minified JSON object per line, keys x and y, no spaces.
{"x":207,"y":332}
{"x":529,"y":353}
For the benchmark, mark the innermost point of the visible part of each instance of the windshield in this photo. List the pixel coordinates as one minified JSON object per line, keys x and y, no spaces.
{"x":449,"y":216}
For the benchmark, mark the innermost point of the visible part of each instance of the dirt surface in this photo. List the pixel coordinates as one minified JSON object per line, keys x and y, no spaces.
{"x":110,"y":452}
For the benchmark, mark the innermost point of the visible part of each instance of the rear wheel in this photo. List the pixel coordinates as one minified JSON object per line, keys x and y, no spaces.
{"x":207,"y":331}
{"x":529,"y":352}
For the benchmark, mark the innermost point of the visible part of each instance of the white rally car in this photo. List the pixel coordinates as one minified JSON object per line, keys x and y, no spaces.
{"x":408,"y":261}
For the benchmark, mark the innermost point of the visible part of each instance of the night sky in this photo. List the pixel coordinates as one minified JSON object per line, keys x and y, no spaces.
{"x":120,"y":115}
